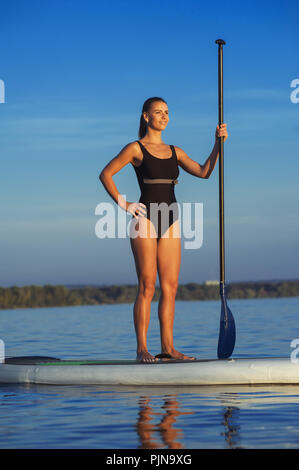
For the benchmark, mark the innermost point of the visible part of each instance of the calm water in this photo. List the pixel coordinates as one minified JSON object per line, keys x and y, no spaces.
{"x":149,"y":417}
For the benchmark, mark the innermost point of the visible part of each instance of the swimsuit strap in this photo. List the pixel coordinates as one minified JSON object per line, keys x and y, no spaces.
{"x":174,"y":152}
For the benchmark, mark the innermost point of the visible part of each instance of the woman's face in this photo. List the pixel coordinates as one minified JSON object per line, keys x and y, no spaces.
{"x":157,"y":117}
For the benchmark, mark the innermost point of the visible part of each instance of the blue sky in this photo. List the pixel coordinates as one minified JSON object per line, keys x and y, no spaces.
{"x":76,"y":75}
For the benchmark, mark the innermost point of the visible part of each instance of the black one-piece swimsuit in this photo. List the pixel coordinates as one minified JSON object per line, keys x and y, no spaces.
{"x":158,"y":168}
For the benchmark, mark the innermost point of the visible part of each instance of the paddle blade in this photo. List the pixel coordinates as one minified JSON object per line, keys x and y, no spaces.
{"x":227,"y":333}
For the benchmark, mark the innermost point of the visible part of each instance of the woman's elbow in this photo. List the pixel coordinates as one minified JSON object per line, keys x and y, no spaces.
{"x":202,"y":172}
{"x":102,"y":176}
{"x":204,"y":175}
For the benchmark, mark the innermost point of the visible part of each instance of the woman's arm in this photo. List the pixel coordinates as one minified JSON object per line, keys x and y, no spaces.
{"x":205,"y":170}
{"x":127,"y":155}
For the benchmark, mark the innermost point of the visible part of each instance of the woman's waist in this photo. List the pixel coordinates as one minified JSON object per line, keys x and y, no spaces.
{"x":157,"y":201}
{"x":158,"y":192}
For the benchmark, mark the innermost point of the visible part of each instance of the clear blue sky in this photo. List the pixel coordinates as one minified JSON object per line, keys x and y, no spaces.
{"x":76,"y":75}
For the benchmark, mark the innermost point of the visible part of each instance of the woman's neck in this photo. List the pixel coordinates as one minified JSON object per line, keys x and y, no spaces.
{"x":153,"y":137}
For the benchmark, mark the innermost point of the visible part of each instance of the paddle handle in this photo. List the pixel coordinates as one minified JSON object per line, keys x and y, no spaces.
{"x":220,"y":43}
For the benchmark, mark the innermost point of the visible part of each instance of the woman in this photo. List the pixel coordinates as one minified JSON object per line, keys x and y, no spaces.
{"x":157,"y":246}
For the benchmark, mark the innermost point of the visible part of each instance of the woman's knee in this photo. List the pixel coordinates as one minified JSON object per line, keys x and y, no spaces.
{"x":169,"y":288}
{"x":147,"y":287}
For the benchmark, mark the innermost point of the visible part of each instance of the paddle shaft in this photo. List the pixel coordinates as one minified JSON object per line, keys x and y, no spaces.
{"x":227,"y":331}
{"x":220,"y":43}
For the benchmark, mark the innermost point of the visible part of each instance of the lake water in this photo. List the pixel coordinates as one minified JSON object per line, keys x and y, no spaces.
{"x":98,"y":417}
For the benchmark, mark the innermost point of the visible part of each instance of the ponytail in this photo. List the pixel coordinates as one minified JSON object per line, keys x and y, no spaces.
{"x":142,"y":127}
{"x":146,"y":107}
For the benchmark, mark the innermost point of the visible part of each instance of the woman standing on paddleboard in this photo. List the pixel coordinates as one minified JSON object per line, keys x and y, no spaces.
{"x":155,"y":239}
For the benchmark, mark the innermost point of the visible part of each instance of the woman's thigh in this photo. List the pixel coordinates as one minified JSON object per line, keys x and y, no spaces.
{"x":145,"y":255}
{"x":168,"y":260}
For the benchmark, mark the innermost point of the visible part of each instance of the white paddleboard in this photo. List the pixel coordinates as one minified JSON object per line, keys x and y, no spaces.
{"x":233,"y":371}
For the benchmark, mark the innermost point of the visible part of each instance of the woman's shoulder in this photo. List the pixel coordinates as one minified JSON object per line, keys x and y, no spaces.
{"x":179,"y":151}
{"x":132,"y":148}
{"x":135,"y":151}
{"x":178,"y":148}
{"x":132,"y":145}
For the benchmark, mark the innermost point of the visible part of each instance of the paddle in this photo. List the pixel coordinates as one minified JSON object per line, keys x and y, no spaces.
{"x":227,"y":333}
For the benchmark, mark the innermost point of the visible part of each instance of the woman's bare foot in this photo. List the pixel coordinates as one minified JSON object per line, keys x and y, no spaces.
{"x":174,"y":354}
{"x":145,"y":356}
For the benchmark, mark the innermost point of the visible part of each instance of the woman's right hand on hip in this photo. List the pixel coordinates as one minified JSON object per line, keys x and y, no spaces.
{"x":136,"y":209}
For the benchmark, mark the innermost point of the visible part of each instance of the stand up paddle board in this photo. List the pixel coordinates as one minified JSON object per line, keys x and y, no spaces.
{"x":233,"y":371}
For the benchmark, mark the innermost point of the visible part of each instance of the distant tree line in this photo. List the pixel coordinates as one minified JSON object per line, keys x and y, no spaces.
{"x":57,"y":296}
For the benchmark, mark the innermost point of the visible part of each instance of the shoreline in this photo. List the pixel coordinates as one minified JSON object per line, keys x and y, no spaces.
{"x":34,"y":296}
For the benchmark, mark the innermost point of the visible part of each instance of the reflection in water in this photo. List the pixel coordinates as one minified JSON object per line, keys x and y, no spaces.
{"x":144,"y":427}
{"x":231,"y":433}
{"x":170,"y":436}
{"x":216,"y":411}
{"x":167,"y":433}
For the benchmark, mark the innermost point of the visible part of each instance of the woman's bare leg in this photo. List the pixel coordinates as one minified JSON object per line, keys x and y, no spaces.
{"x":145,"y":255}
{"x":169,"y":260}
